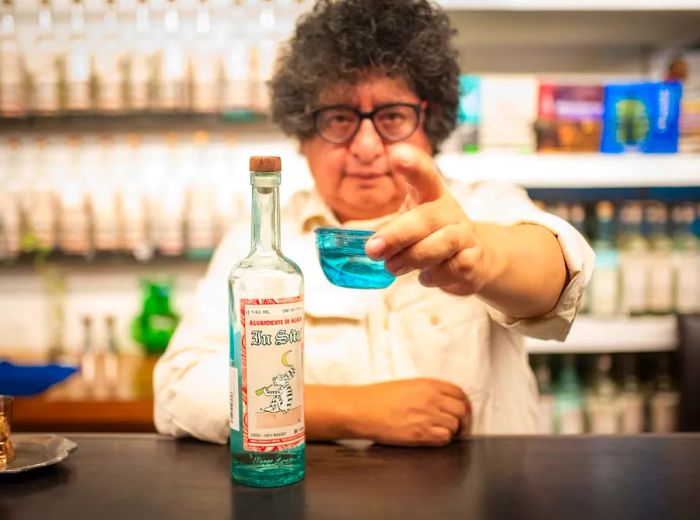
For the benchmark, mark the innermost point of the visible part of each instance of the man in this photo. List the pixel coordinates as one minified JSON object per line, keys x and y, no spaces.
{"x":370,"y":90}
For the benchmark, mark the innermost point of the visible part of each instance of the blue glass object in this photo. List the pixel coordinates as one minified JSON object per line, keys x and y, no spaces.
{"x":344,"y":262}
{"x":18,"y":380}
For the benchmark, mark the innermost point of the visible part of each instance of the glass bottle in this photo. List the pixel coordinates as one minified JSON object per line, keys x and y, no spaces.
{"x":686,"y":259}
{"x":171,"y":76}
{"x":76,"y":164}
{"x":156,"y":323}
{"x":140,"y":63}
{"x":605,"y":285}
{"x":40,"y":204}
{"x":10,"y":200}
{"x":660,"y":290}
{"x":10,"y":64}
{"x":665,"y":401}
{"x":77,"y":92}
{"x":108,"y":64}
{"x":200,"y":207}
{"x":569,"y":399}
{"x":203,"y":65}
{"x":42,"y":66}
{"x":546,"y":402}
{"x":631,"y":398}
{"x":238,"y":58}
{"x":601,"y":402}
{"x":266,"y":312}
{"x":634,"y":260}
{"x":577,"y":218}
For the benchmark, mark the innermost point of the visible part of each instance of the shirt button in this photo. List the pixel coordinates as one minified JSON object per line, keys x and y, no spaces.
{"x":386,"y":322}
{"x":434,"y":319}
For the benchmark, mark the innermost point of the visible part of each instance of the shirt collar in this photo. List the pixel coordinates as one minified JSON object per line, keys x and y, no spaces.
{"x":316,"y":213}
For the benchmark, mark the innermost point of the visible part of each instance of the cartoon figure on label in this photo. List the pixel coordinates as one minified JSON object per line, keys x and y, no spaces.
{"x":282,"y":396}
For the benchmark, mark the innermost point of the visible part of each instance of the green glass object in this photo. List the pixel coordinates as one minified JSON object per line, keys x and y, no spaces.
{"x":155,"y":325}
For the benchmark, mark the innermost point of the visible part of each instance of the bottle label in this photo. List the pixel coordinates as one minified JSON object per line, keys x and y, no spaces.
{"x":272,"y":377}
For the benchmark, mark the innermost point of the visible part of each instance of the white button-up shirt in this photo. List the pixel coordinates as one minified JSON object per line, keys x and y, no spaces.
{"x":357,"y":337}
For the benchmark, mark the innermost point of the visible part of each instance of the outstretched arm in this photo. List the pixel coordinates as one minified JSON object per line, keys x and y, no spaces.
{"x":520,"y":269}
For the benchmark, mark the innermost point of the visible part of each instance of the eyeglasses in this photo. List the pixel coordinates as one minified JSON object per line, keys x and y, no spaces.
{"x":338,"y":124}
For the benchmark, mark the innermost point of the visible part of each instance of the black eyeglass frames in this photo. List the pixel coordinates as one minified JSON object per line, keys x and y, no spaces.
{"x":338,"y":124}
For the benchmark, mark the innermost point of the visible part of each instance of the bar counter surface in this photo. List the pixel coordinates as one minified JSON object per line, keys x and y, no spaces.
{"x":117,"y":476}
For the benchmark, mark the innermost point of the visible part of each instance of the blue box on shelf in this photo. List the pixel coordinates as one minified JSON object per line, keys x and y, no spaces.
{"x":641,"y":117}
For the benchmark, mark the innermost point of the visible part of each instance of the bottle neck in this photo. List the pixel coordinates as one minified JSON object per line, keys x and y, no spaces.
{"x":265,"y":222}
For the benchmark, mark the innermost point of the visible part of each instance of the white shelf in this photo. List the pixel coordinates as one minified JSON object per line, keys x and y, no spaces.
{"x":597,"y":335}
{"x":575,"y":170}
{"x":571,"y":5}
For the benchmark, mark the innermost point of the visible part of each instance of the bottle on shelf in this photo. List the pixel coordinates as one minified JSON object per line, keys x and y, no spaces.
{"x":266,"y":313}
{"x":660,"y":290}
{"x":547,"y":401}
{"x":141,"y":63}
{"x":168,"y":201}
{"x":11,"y":66}
{"x":602,"y":399}
{"x":665,"y":400}
{"x":199,"y":207}
{"x":237,"y":61}
{"x":10,"y":201}
{"x":40,"y":204}
{"x":569,"y":417}
{"x":108,"y":64}
{"x":77,"y":74}
{"x":631,"y":398}
{"x":265,"y":41}
{"x":88,"y":363}
{"x":605,"y":285}
{"x":686,"y":259}
{"x":111,"y":358}
{"x":42,"y":66}
{"x":75,"y":237}
{"x":204,"y":67}
{"x":135,"y":203}
{"x":105,"y":200}
{"x":171,"y":63}
{"x":634,"y":260}
{"x":577,"y":218}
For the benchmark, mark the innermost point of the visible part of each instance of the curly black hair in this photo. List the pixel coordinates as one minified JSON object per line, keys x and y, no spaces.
{"x":344,"y":40}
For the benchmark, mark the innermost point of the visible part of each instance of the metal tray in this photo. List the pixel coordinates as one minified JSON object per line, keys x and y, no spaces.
{"x":36,"y":451}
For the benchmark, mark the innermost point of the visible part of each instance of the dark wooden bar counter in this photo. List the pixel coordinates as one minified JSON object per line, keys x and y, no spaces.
{"x":145,"y":476}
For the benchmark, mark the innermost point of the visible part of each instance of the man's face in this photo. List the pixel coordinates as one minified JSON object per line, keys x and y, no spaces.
{"x":354,"y":178}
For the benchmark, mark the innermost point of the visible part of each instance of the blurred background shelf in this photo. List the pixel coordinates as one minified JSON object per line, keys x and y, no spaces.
{"x":615,"y":335}
{"x":572,"y":5}
{"x":577,"y":170}
{"x":248,"y":121}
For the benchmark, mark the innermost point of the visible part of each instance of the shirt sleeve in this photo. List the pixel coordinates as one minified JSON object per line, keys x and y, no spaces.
{"x":191,"y":380}
{"x":509,"y":204}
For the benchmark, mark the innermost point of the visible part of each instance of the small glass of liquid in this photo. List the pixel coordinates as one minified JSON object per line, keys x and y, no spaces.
{"x":341,"y":253}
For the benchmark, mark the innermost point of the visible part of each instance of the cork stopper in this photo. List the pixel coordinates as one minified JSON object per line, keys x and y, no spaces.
{"x":263,"y":163}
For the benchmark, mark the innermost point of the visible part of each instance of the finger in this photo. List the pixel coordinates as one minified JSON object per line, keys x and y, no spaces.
{"x":450,"y":390}
{"x":448,"y":421}
{"x":419,"y":170}
{"x":404,"y":230}
{"x":434,"y":249}
{"x":460,"y":269}
{"x":438,"y":436}
{"x":455,"y":407}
